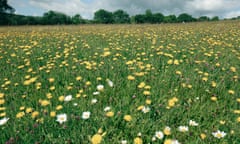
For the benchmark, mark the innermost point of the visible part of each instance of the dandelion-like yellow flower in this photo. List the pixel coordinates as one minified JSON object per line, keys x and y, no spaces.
{"x":59,"y":107}
{"x":20,"y":114}
{"x":110,"y":114}
{"x":1,"y":95}
{"x":78,"y":78}
{"x":130,"y":77}
{"x":52,"y":114}
{"x":127,"y":118}
{"x":96,"y":139}
{"x":167,"y":130}
{"x":51,"y":80}
{"x":231,"y":92}
{"x":35,"y":114}
{"x":2,"y":101}
{"x":203,"y":136}
{"x":44,"y":102}
{"x":138,"y":140}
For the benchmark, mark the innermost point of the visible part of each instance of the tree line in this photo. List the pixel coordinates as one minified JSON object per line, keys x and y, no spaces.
{"x":100,"y":17}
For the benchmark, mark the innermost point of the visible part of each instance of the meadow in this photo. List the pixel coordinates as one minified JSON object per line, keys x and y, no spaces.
{"x":109,"y":84}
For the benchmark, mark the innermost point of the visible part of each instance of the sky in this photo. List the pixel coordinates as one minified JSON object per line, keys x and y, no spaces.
{"x":86,"y":8}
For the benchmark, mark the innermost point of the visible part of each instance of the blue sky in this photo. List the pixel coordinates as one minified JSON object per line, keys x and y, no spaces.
{"x":86,"y":8}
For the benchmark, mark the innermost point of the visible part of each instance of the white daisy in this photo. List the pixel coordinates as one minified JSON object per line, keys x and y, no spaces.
{"x":183,"y":128}
{"x":68,"y":98}
{"x":100,"y":87}
{"x":219,"y":134}
{"x":110,"y":83}
{"x":159,"y":135}
{"x":86,"y":115}
{"x":61,"y":118}
{"x":193,"y":123}
{"x":3,"y":121}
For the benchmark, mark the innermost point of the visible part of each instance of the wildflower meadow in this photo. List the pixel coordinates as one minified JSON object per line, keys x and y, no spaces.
{"x":120,"y":84}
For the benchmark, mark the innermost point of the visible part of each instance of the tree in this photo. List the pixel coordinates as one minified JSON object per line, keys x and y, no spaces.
{"x":121,"y":16}
{"x":170,"y":19}
{"x":215,"y":18}
{"x":53,"y":17}
{"x":77,"y":19}
{"x":103,"y":16}
{"x":4,"y":7}
{"x":158,"y":18}
{"x":140,"y":18}
{"x":203,"y":18}
{"x":184,"y":17}
{"x":149,"y":16}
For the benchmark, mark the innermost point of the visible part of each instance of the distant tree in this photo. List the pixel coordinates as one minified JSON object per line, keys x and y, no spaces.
{"x":103,"y":16}
{"x":158,"y":18}
{"x":203,"y":18}
{"x":215,"y":18}
{"x":53,"y":17}
{"x":170,"y":19}
{"x":121,"y":16}
{"x":139,"y":18}
{"x":149,"y":16}
{"x":184,"y":17}
{"x":77,"y":19}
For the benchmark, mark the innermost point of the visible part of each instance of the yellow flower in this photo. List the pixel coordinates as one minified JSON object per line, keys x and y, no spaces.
{"x":214,"y":98}
{"x":20,"y":114}
{"x":178,"y":72}
{"x":49,"y":95}
{"x":78,"y":78}
{"x":2,"y":108}
{"x":127,"y":118}
{"x":238,"y":100}
{"x":61,"y":98}
{"x":29,"y":110}
{"x":214,"y":84}
{"x":233,"y":69}
{"x":44,"y":102}
{"x":88,"y":83}
{"x":96,"y":139}
{"x":2,"y":101}
{"x":138,"y":140}
{"x":170,"y":62}
{"x":205,"y":79}
{"x":35,"y":114}
{"x":167,"y":130}
{"x":147,"y":87}
{"x":140,"y":107}
{"x":231,"y":92}
{"x":52,"y":114}
{"x":203,"y":136}
{"x":217,"y":64}
{"x":147,"y":93}
{"x":52,"y":88}
{"x":59,"y":107}
{"x":110,"y":114}
{"x":3,"y":114}
{"x":168,"y":141}
{"x":51,"y":80}
{"x":130,"y":77}
{"x":141,"y":85}
{"x":238,"y":119}
{"x":148,"y":101}
{"x":1,"y":95}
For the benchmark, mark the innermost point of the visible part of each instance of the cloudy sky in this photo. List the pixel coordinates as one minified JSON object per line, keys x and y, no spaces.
{"x":86,"y":8}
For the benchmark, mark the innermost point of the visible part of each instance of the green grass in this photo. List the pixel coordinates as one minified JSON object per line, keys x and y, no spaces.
{"x":204,"y":53}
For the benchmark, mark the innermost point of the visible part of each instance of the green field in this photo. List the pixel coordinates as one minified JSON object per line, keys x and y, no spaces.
{"x":114,"y":84}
